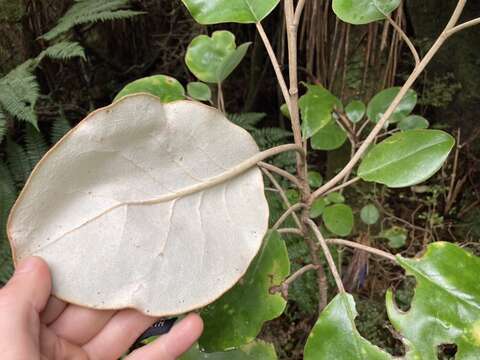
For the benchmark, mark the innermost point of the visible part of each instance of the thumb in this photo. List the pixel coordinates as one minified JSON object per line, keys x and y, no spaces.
{"x":21,"y":301}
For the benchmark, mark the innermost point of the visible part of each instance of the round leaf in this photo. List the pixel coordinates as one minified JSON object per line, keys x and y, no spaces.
{"x":396,"y":237}
{"x":363,"y":11}
{"x":380,"y":103}
{"x":256,"y":350}
{"x":318,"y":207}
{"x":413,"y":122}
{"x":316,"y":107}
{"x":406,"y":158}
{"x":330,"y":137}
{"x":212,"y":59}
{"x":237,"y":317}
{"x":199,"y":91}
{"x":355,"y":111}
{"x":338,"y":219}
{"x":336,"y":198}
{"x":335,"y":336}
{"x":166,"y":88}
{"x":445,"y":308}
{"x":369,"y":214}
{"x":284,"y":110}
{"x":133,"y":203}
{"x":209,"y":12}
{"x":315,"y":179}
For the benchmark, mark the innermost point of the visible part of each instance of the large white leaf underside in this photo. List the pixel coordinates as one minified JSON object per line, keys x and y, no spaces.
{"x":110,"y":208}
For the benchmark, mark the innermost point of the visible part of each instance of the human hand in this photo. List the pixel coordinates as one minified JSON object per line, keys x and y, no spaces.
{"x":34,"y":325}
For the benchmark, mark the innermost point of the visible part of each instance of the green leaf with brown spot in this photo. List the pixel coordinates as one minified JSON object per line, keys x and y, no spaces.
{"x":446,"y":305}
{"x":165,"y":87}
{"x":237,"y":317}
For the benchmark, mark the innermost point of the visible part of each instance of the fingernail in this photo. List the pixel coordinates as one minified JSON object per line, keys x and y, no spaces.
{"x":27,"y":265}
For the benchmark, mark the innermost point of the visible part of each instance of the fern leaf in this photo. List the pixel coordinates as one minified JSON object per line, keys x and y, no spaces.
{"x":8,"y":194}
{"x":91,"y":11}
{"x":64,"y":50}
{"x":18,"y":162}
{"x":270,"y":137}
{"x":35,"y":145}
{"x":246,"y":120}
{"x":60,"y":127}
{"x":3,"y":125}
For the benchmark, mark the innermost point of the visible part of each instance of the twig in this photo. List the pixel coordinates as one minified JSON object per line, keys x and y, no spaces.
{"x":280,"y":172}
{"x":220,"y":100}
{"x":465,"y":25}
{"x":450,"y":199}
{"x":328,"y":255}
{"x":276,"y":65}
{"x":344,"y":185}
{"x":282,"y":195}
{"x":291,"y":210}
{"x":283,"y":288}
{"x":293,"y":231}
{"x":298,"y":12}
{"x":403,"y":91}
{"x":366,"y":248}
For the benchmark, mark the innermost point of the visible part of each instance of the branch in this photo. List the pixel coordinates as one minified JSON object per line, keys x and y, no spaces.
{"x":355,"y":245}
{"x":328,"y":255}
{"x":464,"y":26}
{"x":344,"y":185}
{"x":275,"y":64}
{"x":280,"y":172}
{"x":293,"y":231}
{"x":298,"y":12}
{"x":283,"y":288}
{"x":286,"y":214}
{"x":379,"y":126}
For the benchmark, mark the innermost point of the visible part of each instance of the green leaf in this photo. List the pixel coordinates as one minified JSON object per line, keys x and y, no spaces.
{"x":237,"y":317}
{"x":208,"y":12}
{"x":18,"y":162}
{"x":315,"y":179}
{"x":318,"y":207}
{"x":293,"y":196}
{"x":338,"y":219}
{"x":3,"y":125}
{"x":369,"y":214}
{"x":330,"y":137}
{"x":316,"y":108}
{"x":380,"y":103}
{"x":59,"y":128}
{"x":406,"y":158}
{"x":335,"y":337}
{"x":249,"y":120}
{"x":199,"y":91}
{"x":355,"y":111}
{"x":212,"y":59}
{"x":167,"y":88}
{"x":397,"y":237}
{"x":35,"y":145}
{"x":363,"y":11}
{"x":284,"y":110}
{"x":413,"y":122}
{"x":256,"y":350}
{"x":446,"y":305}
{"x":336,"y":198}
{"x":63,"y":50}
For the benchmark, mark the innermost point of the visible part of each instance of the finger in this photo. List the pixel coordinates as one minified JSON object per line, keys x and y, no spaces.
{"x":21,"y":301}
{"x":79,"y":325}
{"x":118,"y":335}
{"x":53,"y":310}
{"x":175,"y":343}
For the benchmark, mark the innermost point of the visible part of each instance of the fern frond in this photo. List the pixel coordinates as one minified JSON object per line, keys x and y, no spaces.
{"x":270,"y":137}
{"x":246,"y":120}
{"x":91,"y":11}
{"x":60,"y":127}
{"x":18,"y":162}
{"x":8,"y":194}
{"x":3,"y":125}
{"x":19,"y":92}
{"x":35,"y":145}
{"x":64,"y":50}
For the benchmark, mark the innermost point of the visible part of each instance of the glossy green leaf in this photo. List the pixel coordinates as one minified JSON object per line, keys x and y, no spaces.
{"x":406,"y":158}
{"x":338,"y":219}
{"x":413,"y":122}
{"x":167,"y":88}
{"x":199,"y":91}
{"x":335,"y":337}
{"x":355,"y":111}
{"x":212,"y":59}
{"x":363,"y":11}
{"x":336,"y":198}
{"x":318,"y":207}
{"x":237,"y":317}
{"x":330,"y":137}
{"x":256,"y":350}
{"x":397,"y":237}
{"x":369,"y":214}
{"x":315,"y":179}
{"x":380,"y":103}
{"x":446,"y":305}
{"x":316,"y":107}
{"x":208,"y":12}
